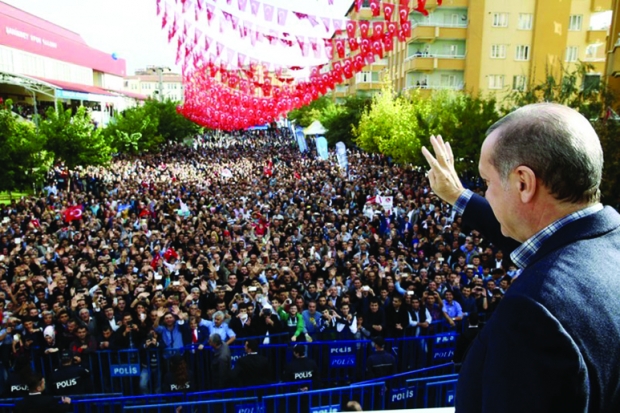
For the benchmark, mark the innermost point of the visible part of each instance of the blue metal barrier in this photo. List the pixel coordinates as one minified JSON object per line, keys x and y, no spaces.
{"x":255,"y":391}
{"x":244,"y":404}
{"x":440,"y":393}
{"x":400,"y":378}
{"x":370,"y":396}
{"x":113,"y":404}
{"x":341,"y":362}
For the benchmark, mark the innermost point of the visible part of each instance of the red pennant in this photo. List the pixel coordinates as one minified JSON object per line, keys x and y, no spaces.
{"x":327,"y":22}
{"x":375,"y":7}
{"x":340,"y":48}
{"x":364,"y":27}
{"x":377,"y":30}
{"x":388,"y":10}
{"x":268,"y":11}
{"x":254,"y":5}
{"x":351,"y":28}
{"x":403,"y":13}
{"x":422,"y":7}
{"x":282,"y":16}
{"x":242,"y":4}
{"x":353,"y":44}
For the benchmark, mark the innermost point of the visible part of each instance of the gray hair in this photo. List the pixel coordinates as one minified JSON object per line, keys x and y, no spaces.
{"x":218,"y":314}
{"x":557,"y":143}
{"x":215,"y":339}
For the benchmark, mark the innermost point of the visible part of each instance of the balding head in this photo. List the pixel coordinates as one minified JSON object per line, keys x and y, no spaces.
{"x":557,"y":143}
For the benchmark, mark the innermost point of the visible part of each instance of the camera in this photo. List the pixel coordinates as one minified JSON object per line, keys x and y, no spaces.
{"x":267,"y":311}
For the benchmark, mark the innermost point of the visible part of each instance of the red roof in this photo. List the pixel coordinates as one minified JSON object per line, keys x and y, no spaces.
{"x":75,"y":87}
{"x":24,"y":31}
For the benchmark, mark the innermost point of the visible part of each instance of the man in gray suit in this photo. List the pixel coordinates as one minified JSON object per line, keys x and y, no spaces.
{"x":551,"y":343}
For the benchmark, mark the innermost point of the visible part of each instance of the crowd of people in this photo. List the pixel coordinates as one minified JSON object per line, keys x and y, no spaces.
{"x":238,"y":236}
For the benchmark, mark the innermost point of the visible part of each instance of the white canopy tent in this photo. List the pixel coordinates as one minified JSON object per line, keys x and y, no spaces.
{"x":315,"y":128}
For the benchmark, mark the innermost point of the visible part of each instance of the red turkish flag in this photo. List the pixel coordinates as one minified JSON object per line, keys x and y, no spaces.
{"x":351,"y":28}
{"x":388,"y":9}
{"x":375,"y":7}
{"x":340,"y":48}
{"x":72,"y":213}
{"x":364,"y":27}
{"x":403,"y":13}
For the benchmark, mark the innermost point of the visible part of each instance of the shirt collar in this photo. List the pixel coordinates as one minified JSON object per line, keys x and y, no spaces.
{"x":523,"y":255}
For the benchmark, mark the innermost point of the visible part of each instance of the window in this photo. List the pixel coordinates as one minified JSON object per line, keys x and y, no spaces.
{"x":365,"y":4}
{"x":572,"y":54}
{"x":574,"y":22}
{"x":519,"y":83}
{"x":523,"y":53}
{"x":525,"y":21}
{"x":496,"y":81}
{"x":364,"y":77}
{"x":498,"y":51}
{"x":375,"y":76}
{"x":591,"y":81}
{"x":146,"y":86}
{"x":500,"y":19}
{"x":448,"y":81}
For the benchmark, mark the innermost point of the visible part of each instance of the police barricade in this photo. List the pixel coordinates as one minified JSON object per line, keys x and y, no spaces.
{"x":117,"y":404}
{"x":236,"y":405}
{"x":417,"y":352}
{"x":400,"y":393}
{"x":370,"y":396}
{"x":7,"y":407}
{"x":440,"y":393}
{"x":257,"y":392}
{"x":411,"y":394}
{"x":341,"y":362}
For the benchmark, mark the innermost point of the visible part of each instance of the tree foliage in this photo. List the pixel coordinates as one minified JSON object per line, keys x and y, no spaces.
{"x":74,"y":138}
{"x":389,"y":126}
{"x":307,"y":114}
{"x":340,"y":119}
{"x":24,"y":161}
{"x":145,"y":128}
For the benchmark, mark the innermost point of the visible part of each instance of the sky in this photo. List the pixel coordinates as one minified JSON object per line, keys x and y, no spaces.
{"x":129,"y":28}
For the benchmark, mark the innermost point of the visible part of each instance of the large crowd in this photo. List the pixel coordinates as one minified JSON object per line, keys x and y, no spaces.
{"x":236,"y":236}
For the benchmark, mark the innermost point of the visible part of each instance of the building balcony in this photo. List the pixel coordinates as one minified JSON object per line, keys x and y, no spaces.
{"x":600,"y":5}
{"x":340,"y":94}
{"x":598,"y":65}
{"x":368,"y":86}
{"x":596,"y":36}
{"x":434,"y":62}
{"x":432,"y":32}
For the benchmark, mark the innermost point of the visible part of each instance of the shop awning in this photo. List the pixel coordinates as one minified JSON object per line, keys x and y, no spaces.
{"x":132,"y":95}
{"x":77,"y":91}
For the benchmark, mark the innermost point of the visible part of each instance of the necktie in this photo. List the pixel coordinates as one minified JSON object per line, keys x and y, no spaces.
{"x":195,"y":337}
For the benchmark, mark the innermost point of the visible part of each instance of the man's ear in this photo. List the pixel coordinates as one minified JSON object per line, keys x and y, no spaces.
{"x":526,"y":182}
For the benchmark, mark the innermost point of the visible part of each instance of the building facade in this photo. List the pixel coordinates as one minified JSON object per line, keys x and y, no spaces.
{"x":156,"y":82}
{"x":494,"y":46}
{"x":43,"y":64}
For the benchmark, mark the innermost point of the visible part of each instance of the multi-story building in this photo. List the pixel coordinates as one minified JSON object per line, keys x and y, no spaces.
{"x":494,"y":46}
{"x":156,"y":82}
{"x":613,"y":53}
{"x":43,"y":64}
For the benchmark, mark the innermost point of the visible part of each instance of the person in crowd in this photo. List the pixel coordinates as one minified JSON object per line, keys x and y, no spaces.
{"x":70,"y":378}
{"x":381,"y":363}
{"x":253,"y":369}
{"x":220,"y":362}
{"x":547,"y":201}
{"x":37,"y":401}
{"x":301,"y":368}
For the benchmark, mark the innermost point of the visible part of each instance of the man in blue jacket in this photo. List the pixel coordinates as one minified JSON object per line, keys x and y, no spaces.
{"x":551,"y":343}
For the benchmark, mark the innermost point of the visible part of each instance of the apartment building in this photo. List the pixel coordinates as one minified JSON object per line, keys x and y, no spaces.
{"x":492,"y":46}
{"x":156,"y":82}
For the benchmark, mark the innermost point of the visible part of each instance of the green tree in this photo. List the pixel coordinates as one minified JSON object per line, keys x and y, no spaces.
{"x":460,"y":119}
{"x":305,"y":115}
{"x":389,"y":126}
{"x":172,"y":126}
{"x":74,"y":138}
{"x":134,"y":131}
{"x":340,"y":119}
{"x":24,"y":161}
